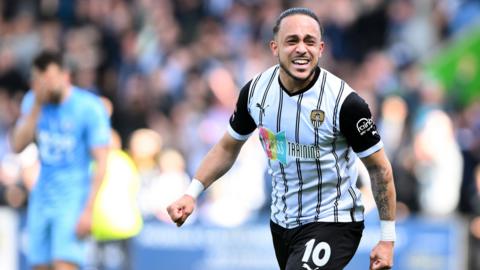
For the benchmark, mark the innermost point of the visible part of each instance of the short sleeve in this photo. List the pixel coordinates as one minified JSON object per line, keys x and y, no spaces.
{"x":98,"y":125}
{"x":27,"y":102}
{"x":241,"y":122}
{"x":358,"y":127}
{"x":26,"y":106}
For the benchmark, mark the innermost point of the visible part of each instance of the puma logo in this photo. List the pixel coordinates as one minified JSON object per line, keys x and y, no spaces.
{"x":308,"y":267}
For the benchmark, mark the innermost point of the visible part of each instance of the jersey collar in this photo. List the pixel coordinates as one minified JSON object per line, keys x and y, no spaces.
{"x":306,"y":88}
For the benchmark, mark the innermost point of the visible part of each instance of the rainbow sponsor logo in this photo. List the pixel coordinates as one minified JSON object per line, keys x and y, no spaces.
{"x":275,"y":145}
{"x":278,"y":148}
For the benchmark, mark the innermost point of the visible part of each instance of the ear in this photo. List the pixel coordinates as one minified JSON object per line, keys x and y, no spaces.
{"x":274,"y":47}
{"x":320,"y":50}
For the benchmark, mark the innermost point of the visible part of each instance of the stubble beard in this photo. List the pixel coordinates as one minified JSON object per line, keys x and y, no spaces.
{"x":296,"y":79}
{"x":55,"y":97}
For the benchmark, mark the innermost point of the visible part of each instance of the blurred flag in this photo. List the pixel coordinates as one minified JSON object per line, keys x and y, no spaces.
{"x":457,"y":66}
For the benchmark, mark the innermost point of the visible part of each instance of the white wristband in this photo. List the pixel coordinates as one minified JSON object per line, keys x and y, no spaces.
{"x":195,"y":188}
{"x":387,"y":229}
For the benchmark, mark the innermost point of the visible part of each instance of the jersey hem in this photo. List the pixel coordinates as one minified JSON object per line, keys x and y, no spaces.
{"x":342,"y":218}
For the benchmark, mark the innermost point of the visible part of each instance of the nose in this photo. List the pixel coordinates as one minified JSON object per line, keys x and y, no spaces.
{"x":301,"y":48}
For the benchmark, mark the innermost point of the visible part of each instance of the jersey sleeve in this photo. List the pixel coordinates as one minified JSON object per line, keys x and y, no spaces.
{"x":241,"y":122}
{"x":27,"y":102}
{"x":358,"y":127}
{"x":98,"y":125}
{"x":26,"y":106}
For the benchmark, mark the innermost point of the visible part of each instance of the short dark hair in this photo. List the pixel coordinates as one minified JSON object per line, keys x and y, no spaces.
{"x":45,"y":58}
{"x":295,"y":11}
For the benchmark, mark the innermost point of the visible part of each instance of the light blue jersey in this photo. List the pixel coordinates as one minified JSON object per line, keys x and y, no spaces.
{"x":65,"y":135}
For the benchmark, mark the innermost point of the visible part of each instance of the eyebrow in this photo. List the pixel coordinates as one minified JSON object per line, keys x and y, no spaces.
{"x":297,"y":37}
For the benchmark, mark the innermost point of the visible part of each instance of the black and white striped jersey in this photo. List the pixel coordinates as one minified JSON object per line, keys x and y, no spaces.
{"x":312,"y":139}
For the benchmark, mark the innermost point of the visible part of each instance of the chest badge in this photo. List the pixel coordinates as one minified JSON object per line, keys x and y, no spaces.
{"x":317,"y":117}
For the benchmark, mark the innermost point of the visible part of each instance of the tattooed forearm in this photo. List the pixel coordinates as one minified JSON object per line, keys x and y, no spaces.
{"x":383,"y":190}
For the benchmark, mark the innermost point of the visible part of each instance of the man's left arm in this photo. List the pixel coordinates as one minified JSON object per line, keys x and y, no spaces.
{"x":98,"y":141}
{"x":100,"y":155}
{"x":358,"y":127}
{"x":383,"y":189}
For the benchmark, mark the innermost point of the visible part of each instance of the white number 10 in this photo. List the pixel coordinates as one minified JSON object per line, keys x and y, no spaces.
{"x":316,"y":252}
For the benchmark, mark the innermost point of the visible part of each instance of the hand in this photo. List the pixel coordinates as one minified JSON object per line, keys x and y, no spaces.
{"x":15,"y":196}
{"x":381,"y":256}
{"x":181,"y":209}
{"x":40,"y":92}
{"x":84,"y":224}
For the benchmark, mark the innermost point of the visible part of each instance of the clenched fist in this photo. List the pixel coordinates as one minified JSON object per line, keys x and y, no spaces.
{"x":381,"y":257}
{"x":181,"y":209}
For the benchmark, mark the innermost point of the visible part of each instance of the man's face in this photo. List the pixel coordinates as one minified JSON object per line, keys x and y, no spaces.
{"x":50,"y":83}
{"x":298,"y":46}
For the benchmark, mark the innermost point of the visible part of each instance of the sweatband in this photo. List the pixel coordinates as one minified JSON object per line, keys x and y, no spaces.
{"x":387,"y":229}
{"x":195,"y":188}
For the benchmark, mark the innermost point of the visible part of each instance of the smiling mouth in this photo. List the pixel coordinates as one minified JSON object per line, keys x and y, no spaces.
{"x":301,"y":62}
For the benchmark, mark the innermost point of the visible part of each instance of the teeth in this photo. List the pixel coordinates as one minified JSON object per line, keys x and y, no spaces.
{"x":300,"y":61}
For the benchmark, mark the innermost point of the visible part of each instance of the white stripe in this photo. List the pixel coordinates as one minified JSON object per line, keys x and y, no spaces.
{"x":236,"y":135}
{"x":371,"y":150}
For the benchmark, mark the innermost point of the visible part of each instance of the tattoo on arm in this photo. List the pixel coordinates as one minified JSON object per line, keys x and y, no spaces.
{"x":380,"y":177}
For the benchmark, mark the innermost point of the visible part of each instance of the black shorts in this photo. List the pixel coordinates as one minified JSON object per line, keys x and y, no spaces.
{"x":317,"y":245}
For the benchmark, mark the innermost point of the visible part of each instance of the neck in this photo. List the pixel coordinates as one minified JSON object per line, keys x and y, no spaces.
{"x":293,"y":84}
{"x":66,"y":93}
{"x":62,"y":96}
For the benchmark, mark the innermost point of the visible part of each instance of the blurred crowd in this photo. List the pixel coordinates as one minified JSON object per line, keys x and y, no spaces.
{"x":171,"y":72}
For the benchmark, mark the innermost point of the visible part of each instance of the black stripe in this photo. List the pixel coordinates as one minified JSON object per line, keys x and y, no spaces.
{"x":334,"y":153}
{"x":284,"y":197}
{"x":352,"y":210}
{"x":317,"y":160}
{"x":265,"y":96}
{"x":253,"y":87}
{"x":280,"y":107}
{"x":322,"y":89}
{"x":353,"y":193}
{"x":299,"y":169}
{"x":282,"y":170}
{"x":347,"y":158}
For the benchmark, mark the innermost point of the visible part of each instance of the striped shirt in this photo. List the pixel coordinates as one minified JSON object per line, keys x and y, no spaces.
{"x":312,"y":139}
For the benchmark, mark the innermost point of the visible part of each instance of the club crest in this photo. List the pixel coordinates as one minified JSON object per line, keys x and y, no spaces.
{"x":317,"y":117}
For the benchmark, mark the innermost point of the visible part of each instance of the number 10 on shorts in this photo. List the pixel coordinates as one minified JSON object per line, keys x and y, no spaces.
{"x":312,"y":250}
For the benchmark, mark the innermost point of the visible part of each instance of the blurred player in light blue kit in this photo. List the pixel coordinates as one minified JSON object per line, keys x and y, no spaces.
{"x":71,"y":128}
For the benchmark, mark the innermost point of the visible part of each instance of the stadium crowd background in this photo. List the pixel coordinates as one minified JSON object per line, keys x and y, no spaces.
{"x":171,"y":70}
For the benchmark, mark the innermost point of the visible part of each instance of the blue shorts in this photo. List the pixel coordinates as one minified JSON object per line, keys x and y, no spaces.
{"x":51,"y":234}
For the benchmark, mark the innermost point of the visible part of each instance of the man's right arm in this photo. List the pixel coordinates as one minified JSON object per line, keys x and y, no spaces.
{"x":222,"y":156}
{"x":24,"y":131}
{"x":215,"y":164}
{"x":218,"y":160}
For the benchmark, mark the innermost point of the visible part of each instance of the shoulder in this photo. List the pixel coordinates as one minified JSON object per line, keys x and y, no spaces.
{"x":84,"y":96}
{"x":262,"y":80}
{"x":267,"y":75}
{"x":336,"y":86}
{"x":272,"y":69}
{"x":333,"y":80}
